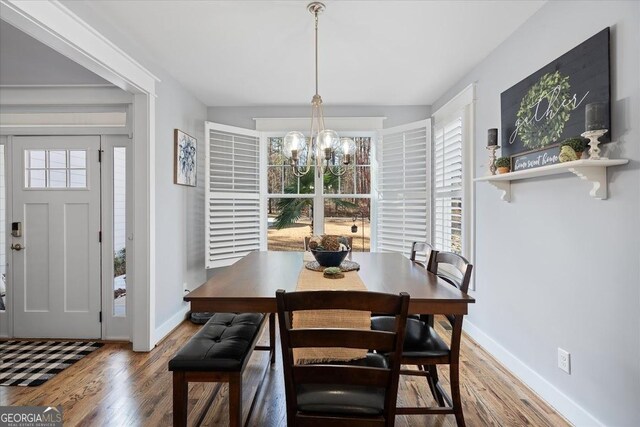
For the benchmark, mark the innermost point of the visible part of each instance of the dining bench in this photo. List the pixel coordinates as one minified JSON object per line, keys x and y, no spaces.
{"x":219,"y":352}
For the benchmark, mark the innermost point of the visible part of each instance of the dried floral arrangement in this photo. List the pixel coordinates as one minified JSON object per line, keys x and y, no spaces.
{"x":329,"y":243}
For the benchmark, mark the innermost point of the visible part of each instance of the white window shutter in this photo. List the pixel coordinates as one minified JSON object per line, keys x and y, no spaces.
{"x":448,"y":185}
{"x":232,"y":185}
{"x":404,"y":187}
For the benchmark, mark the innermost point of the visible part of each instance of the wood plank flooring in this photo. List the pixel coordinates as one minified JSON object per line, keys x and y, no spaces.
{"x":114,"y":386}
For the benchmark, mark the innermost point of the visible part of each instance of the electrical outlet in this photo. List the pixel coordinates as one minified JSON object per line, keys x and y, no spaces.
{"x":564,"y":360}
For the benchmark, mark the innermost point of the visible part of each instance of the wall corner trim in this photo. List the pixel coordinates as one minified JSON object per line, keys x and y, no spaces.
{"x":170,"y":324}
{"x":562,"y":403}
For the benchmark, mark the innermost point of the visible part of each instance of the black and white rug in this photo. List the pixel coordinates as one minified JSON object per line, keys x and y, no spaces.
{"x":31,"y":363}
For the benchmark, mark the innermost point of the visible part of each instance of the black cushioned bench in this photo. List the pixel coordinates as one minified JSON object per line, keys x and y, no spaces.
{"x":219,"y":352}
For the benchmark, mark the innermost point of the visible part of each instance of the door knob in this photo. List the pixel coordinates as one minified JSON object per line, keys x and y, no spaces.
{"x":17,"y":247}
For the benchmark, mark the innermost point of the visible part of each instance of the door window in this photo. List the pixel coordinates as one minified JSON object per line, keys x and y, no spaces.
{"x":55,"y":169}
{"x":119,"y":231}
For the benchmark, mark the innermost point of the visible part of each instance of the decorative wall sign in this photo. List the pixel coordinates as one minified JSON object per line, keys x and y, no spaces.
{"x":549,"y":105}
{"x":535,"y":158}
{"x":185,"y":167}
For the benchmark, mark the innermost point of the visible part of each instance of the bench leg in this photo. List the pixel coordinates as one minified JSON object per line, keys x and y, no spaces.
{"x":235,"y":400}
{"x":180,"y":399}
{"x":272,"y":336}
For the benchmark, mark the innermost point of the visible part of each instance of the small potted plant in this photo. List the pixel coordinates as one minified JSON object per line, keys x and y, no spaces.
{"x":503,"y":164}
{"x":577,"y":144}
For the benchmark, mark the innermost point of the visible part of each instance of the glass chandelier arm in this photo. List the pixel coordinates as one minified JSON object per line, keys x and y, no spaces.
{"x":297,"y":170}
{"x":336,"y":170}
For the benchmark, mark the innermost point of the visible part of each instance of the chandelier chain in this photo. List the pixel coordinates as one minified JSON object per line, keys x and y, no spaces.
{"x":316,"y":15}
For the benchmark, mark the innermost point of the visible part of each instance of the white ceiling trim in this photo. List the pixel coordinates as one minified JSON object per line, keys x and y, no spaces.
{"x":63,"y":95}
{"x":79,"y":119}
{"x":106,"y":60}
{"x":453,"y":107}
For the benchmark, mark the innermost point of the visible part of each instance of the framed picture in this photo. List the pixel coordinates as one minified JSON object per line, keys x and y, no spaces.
{"x":547,"y":107}
{"x":186,"y":158}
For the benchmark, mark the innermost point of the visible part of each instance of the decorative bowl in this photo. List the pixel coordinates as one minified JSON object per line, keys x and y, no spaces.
{"x":329,"y":258}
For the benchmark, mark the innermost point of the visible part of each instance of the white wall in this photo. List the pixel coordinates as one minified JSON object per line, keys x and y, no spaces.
{"x":243,"y":116}
{"x":555,"y":267}
{"x":179,"y":209}
{"x":26,"y":61}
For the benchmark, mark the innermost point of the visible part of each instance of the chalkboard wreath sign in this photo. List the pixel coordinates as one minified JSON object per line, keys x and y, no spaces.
{"x":549,"y":105}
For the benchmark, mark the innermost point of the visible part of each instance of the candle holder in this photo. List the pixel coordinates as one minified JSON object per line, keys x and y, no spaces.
{"x":593,"y":137}
{"x":492,"y":158}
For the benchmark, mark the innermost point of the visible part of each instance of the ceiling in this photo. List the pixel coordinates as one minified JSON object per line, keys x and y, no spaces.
{"x":26,"y":61}
{"x":260,"y":53}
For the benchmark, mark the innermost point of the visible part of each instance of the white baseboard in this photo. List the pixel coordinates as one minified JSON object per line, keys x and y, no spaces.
{"x":562,"y":403}
{"x":170,"y":324}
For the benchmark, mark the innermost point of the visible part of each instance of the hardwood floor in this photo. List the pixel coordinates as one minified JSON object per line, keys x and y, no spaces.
{"x":114,"y":386}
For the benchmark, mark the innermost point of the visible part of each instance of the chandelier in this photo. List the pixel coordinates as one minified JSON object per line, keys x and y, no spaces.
{"x":324,"y":147}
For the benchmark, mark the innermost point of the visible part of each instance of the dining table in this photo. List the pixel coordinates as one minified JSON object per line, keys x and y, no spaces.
{"x":250,"y":284}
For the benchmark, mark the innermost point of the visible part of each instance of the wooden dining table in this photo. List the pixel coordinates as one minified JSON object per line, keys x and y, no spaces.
{"x":251,"y":283}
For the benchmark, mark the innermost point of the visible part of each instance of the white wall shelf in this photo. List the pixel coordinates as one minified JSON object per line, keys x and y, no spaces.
{"x":594,"y":171}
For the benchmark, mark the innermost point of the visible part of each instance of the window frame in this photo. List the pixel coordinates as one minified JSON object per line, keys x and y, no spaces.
{"x":233,"y":197}
{"x":116,"y":327}
{"x":462,"y":105}
{"x":318,"y":196}
{"x":404,"y":194}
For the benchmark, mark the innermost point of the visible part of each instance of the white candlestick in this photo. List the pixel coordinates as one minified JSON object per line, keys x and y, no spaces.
{"x":593,"y":136}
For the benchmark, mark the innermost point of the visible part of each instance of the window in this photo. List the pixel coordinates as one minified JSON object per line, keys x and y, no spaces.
{"x":448,"y":186}
{"x":232,"y":189}
{"x":404,"y":185}
{"x":302,"y":206}
{"x":452,"y":175}
{"x":55,"y":169}
{"x":255,"y":202}
{"x":340,"y":215}
{"x":119,"y":231}
{"x":357,"y":179}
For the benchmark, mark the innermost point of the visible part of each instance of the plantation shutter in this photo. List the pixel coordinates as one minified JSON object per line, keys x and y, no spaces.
{"x":233,"y":193}
{"x":448,"y":185}
{"x":404,"y":183}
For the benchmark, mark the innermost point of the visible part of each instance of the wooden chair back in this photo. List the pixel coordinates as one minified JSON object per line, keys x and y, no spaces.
{"x":453,"y":268}
{"x":424,"y":249}
{"x":341,"y":374}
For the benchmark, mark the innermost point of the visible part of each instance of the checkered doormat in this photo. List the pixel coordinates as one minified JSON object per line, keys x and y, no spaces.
{"x":31,"y":363}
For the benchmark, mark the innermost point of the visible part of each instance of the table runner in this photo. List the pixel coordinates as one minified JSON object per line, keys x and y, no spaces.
{"x":315,"y":281}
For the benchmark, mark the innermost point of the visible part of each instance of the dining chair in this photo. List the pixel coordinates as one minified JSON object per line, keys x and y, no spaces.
{"x":361,"y":392}
{"x":424,"y":348}
{"x":424,"y":249}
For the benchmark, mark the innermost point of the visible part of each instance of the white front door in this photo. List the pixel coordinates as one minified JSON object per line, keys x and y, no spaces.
{"x":56,"y":258}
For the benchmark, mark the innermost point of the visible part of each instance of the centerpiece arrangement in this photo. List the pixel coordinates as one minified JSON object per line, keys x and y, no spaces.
{"x":329,"y":250}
